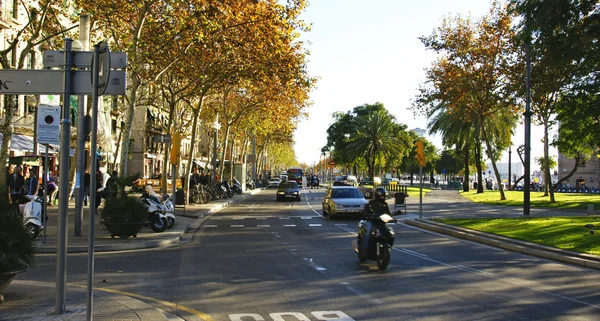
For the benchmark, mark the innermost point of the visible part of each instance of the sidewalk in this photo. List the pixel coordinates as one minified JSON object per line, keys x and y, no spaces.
{"x":32,"y":300}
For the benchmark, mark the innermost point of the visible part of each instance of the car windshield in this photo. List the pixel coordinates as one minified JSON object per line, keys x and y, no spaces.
{"x":288,"y":185}
{"x":346,"y":193}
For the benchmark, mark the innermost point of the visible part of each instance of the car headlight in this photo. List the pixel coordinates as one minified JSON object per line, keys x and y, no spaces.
{"x":280,"y":192}
{"x":295,"y":193}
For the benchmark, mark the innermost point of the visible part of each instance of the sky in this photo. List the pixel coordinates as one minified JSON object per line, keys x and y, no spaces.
{"x":365,"y":52}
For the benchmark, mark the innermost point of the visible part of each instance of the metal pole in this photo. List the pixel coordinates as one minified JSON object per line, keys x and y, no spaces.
{"x":526,"y":190}
{"x":84,"y":30}
{"x":65,"y":139}
{"x":420,"y":192}
{"x":93,"y":187}
{"x":509,"y":169}
{"x":45,"y":191}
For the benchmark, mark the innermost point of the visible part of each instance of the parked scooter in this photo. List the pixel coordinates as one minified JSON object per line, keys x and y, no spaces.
{"x":168,"y":203}
{"x":381,"y":240}
{"x":237,"y":186}
{"x":32,"y":212}
{"x":226,"y":189}
{"x":157,"y":219}
{"x":250,"y":184}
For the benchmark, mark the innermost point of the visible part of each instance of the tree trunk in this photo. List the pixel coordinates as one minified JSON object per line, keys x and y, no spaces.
{"x":126,"y":130}
{"x":188,"y":170}
{"x":478,"y":166}
{"x":224,"y":149}
{"x":7,"y":132}
{"x":547,"y":177}
{"x":491,"y":156}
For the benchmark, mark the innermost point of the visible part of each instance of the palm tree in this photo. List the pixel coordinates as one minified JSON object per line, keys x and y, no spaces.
{"x":375,"y":136}
{"x":455,"y":132}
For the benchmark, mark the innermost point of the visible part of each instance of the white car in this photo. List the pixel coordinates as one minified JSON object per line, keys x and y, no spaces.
{"x":274,"y":182}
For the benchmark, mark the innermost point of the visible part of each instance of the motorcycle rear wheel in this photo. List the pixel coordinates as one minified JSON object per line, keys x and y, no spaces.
{"x":170,"y":222}
{"x":383,"y":259}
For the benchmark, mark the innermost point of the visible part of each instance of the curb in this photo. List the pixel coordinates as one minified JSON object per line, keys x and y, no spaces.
{"x":585,"y":260}
{"x":199,"y":215}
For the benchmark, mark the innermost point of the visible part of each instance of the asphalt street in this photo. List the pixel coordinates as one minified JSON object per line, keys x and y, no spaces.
{"x":259,"y":259}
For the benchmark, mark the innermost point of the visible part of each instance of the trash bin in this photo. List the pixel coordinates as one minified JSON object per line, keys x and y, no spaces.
{"x":180,"y":197}
{"x":399,"y":198}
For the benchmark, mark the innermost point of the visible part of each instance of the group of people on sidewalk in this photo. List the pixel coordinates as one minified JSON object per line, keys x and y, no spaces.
{"x":19,"y":186}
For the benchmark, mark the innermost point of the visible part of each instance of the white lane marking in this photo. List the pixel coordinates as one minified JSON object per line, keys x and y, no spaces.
{"x":263,"y":225}
{"x":362,"y":294}
{"x":416,"y":253}
{"x":314,"y":265}
{"x":237,"y":225}
{"x":289,"y":225}
{"x":306,"y":217}
{"x":517,"y":282}
{"x":285,"y":218}
{"x":209,"y":225}
{"x":316,"y":212}
{"x":314,"y":225}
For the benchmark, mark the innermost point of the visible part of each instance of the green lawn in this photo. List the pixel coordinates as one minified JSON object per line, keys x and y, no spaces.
{"x":567,"y":233}
{"x":537,"y":199}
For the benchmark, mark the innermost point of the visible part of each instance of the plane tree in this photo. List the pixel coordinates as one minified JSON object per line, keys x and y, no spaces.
{"x":44,"y":25}
{"x":470,"y":78}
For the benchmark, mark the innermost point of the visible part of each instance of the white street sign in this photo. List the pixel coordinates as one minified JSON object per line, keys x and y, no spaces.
{"x":82,"y":59}
{"x":48,"y":124}
{"x":45,"y":82}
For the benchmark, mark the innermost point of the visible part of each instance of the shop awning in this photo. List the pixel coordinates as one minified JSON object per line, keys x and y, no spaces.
{"x":23,"y":143}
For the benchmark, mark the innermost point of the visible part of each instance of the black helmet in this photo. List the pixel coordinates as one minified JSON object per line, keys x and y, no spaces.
{"x":380,"y":194}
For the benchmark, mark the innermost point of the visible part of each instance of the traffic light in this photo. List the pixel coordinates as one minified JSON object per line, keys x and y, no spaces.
{"x":420,"y":153}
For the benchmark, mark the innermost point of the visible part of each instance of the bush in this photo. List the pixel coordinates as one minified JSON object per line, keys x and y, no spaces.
{"x":16,"y":246}
{"x":127,"y":209}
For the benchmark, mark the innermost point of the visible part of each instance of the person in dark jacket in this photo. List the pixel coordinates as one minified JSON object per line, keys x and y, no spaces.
{"x":86,"y":186}
{"x":375,"y":208}
{"x":16,"y":181}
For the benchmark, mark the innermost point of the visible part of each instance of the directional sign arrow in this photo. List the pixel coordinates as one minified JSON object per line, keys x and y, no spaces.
{"x":49,"y":82}
{"x":82,"y":59}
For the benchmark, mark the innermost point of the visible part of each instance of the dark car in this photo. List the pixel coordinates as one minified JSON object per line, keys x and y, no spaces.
{"x":288,"y":190}
{"x":345,"y":180}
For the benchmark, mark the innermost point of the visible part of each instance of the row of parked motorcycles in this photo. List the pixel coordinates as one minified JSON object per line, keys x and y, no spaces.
{"x":204,"y":193}
{"x":160,"y":212}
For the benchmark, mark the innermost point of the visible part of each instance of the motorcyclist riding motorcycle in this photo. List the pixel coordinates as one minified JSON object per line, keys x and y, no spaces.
{"x":375,"y":208}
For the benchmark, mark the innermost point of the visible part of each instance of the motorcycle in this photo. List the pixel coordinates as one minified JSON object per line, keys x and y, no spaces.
{"x":32,"y":212}
{"x":237,"y":186}
{"x":168,"y":203}
{"x":157,"y":211}
{"x":250,"y":184}
{"x":226,"y":189}
{"x":380,"y":242}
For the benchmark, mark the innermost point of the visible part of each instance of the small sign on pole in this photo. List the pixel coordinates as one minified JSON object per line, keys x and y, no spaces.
{"x":48,"y":124}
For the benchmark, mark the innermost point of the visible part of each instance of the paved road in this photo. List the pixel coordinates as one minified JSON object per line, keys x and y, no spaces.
{"x":264,"y":260}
